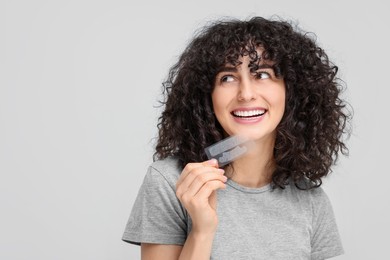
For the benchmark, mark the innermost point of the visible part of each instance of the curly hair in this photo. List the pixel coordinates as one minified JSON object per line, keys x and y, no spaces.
{"x":309,"y":137}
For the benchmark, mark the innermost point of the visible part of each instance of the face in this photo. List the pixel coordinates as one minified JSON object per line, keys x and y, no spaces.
{"x":249,"y":104}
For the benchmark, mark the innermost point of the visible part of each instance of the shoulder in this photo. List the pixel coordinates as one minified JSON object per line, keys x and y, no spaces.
{"x":167,"y":170}
{"x":315,"y":202}
{"x":314,"y":194}
{"x":167,"y":165}
{"x":318,"y":197}
{"x":314,"y":199}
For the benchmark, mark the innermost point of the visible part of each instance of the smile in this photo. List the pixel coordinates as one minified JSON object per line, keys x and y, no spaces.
{"x":248,"y":113}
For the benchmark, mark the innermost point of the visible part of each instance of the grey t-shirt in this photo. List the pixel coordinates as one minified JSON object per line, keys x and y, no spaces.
{"x":254,"y":223}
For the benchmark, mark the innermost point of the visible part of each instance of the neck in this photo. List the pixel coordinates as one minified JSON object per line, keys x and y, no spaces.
{"x":255,"y":168}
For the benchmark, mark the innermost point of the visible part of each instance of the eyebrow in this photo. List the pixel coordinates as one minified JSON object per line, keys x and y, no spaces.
{"x":227,"y":69}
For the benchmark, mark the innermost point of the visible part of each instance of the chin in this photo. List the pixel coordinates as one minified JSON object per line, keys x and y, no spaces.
{"x":257,"y":135}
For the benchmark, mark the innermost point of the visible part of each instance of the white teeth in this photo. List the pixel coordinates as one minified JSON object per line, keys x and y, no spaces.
{"x":257,"y":112}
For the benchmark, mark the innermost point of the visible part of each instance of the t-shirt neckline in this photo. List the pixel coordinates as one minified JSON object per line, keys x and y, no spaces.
{"x":245,"y":189}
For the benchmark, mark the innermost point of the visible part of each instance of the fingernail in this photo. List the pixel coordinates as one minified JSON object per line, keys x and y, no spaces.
{"x":212,"y":161}
{"x":222,"y":171}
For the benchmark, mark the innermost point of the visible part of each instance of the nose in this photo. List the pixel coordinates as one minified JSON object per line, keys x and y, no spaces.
{"x":246,"y":90}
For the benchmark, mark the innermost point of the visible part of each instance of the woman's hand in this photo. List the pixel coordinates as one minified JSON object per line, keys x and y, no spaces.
{"x":196,"y":190}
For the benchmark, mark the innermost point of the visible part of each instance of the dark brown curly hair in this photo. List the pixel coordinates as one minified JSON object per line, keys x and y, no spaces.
{"x":309,"y":137}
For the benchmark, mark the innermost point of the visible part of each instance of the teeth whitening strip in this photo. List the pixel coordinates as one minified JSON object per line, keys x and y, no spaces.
{"x":228,"y":149}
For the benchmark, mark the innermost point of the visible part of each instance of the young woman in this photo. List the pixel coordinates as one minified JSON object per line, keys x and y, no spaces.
{"x":267,"y":81}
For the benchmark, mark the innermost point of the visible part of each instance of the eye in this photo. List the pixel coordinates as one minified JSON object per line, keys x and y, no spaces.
{"x":263,"y":75}
{"x":227,"y":78}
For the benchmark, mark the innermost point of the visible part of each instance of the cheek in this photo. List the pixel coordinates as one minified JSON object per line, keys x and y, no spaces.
{"x":282,"y":99}
{"x":219,"y":100}
{"x":279,"y":97}
{"x":214,"y":100}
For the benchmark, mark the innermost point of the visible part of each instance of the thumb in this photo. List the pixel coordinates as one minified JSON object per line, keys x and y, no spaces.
{"x":211,"y":162}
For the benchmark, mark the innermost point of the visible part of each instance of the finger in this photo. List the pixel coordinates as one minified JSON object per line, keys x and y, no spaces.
{"x":212,"y":162}
{"x":187,"y":169}
{"x":192,"y":166}
{"x":208,"y":188}
{"x":201,"y":180}
{"x":201,"y":175}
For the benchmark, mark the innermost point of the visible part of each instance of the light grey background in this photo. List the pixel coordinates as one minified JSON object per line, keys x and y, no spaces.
{"x":78,"y":84}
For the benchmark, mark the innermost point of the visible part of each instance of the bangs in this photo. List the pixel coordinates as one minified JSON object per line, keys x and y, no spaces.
{"x":258,"y":57}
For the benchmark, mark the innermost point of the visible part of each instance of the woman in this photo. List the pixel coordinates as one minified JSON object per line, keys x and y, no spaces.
{"x":271,"y":83}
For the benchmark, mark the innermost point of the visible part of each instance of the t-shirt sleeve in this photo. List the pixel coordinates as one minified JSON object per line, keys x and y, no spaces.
{"x":325,"y":241}
{"x":157,"y":215}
